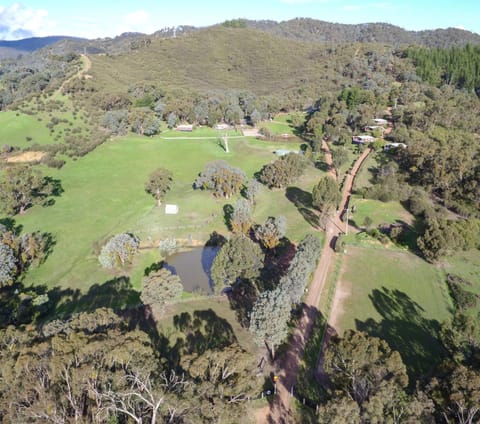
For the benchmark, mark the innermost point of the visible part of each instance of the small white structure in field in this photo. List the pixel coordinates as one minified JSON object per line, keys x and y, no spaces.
{"x":221,"y":126}
{"x":171,"y":209}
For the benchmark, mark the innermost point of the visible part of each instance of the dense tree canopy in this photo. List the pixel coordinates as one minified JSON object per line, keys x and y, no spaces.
{"x":160,"y":287}
{"x":283,"y":171}
{"x":326,"y":195}
{"x":119,"y":251}
{"x":22,"y":187}
{"x":224,"y":179}
{"x":238,"y":258}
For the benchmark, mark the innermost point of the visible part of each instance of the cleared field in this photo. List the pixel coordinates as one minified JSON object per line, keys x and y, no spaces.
{"x":215,"y":312}
{"x":379,"y":212}
{"x":16,"y":127}
{"x":104,"y":195}
{"x":396,"y":296}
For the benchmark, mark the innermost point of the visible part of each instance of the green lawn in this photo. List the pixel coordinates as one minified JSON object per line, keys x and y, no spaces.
{"x":397,"y":296}
{"x":366,"y":172}
{"x":467,"y":266}
{"x":281,"y":124}
{"x":379,"y":212}
{"x":104,"y":195}
{"x":222,"y":314}
{"x":15,"y":130}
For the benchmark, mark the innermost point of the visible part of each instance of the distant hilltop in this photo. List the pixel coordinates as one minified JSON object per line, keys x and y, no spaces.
{"x":304,"y":29}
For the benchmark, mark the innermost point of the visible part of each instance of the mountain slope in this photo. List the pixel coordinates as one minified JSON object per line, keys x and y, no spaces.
{"x":320,"y":31}
{"x":221,"y":58}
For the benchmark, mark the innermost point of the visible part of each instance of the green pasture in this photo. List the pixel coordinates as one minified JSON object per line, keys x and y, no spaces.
{"x":22,"y":130}
{"x":467,"y":266}
{"x":397,"y":296}
{"x":104,"y":195}
{"x":16,"y":127}
{"x":366,"y":172}
{"x":199,"y":132}
{"x":379,"y":212}
{"x":216,"y":314}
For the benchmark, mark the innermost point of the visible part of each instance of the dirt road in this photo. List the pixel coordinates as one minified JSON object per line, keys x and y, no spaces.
{"x":288,"y":367}
{"x":87,"y":64}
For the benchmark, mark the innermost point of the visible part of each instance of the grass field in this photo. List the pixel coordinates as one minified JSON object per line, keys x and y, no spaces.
{"x":467,"y":266}
{"x":16,"y":127}
{"x":379,"y":212}
{"x":397,"y":296}
{"x":221,"y":309}
{"x":104,"y":195}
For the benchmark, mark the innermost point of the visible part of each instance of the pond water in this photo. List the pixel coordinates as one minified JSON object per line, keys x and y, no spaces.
{"x":193,"y":268}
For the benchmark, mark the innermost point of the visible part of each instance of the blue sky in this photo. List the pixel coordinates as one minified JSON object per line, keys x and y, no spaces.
{"x":107,"y":18}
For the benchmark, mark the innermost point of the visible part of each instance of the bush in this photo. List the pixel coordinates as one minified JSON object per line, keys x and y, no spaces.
{"x":119,"y":251}
{"x":463,"y":299}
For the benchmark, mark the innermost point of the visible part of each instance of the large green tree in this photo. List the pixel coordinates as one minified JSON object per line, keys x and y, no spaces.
{"x":224,"y":179}
{"x":326,"y":195}
{"x":283,"y":171}
{"x":269,"y":319}
{"x":160,"y":287}
{"x":241,"y":219}
{"x":22,"y":187}
{"x":238,"y":258}
{"x":158,"y":184}
{"x":271,"y":231}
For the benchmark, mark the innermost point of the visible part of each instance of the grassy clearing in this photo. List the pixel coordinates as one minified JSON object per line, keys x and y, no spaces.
{"x":220,"y":306}
{"x":379,"y":212}
{"x":104,"y":195}
{"x":16,"y":127}
{"x":366,"y":172}
{"x":396,"y":296}
{"x":199,"y":132}
{"x":467,"y":266}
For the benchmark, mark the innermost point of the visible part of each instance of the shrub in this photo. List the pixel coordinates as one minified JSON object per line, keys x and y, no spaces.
{"x":119,"y":250}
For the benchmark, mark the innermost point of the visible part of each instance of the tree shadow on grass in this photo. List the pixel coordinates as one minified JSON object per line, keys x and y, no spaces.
{"x":203,"y":330}
{"x":242,"y":298}
{"x":116,"y":294}
{"x":303,"y":202}
{"x":406,"y":330}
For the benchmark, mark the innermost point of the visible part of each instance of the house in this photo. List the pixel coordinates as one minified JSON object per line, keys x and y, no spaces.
{"x":362,"y":139}
{"x":186,"y":128}
{"x":394,"y":146}
{"x":284,"y":152}
{"x":380,"y":121}
{"x":251,"y":132}
{"x":374,"y":127}
{"x":171,"y":209}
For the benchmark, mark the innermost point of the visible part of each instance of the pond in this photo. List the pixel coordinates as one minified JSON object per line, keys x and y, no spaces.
{"x":193,"y":268}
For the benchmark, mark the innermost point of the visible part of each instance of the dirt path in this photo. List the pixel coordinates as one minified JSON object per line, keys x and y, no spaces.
{"x":280,"y":412}
{"x":87,"y":65}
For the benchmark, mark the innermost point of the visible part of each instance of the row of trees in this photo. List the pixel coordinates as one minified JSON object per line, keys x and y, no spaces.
{"x":147,"y":106}
{"x":272,"y":310}
{"x":457,"y":66}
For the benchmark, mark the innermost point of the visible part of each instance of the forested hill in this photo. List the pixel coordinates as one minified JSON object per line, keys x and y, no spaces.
{"x":307,"y":29}
{"x":219,"y":58}
{"x":12,"y":48}
{"x":300,"y":29}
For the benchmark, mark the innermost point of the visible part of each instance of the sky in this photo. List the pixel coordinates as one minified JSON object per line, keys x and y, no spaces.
{"x":108,"y":18}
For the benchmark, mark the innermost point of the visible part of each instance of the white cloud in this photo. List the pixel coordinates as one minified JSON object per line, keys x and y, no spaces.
{"x":18,"y":21}
{"x":137,"y":18}
{"x":460,"y":27}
